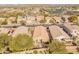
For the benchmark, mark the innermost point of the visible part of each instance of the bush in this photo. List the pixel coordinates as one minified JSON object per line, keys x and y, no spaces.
{"x":51,"y":21}
{"x":76,"y":41}
{"x":40,"y":52}
{"x":4,"y":22}
{"x":57,"y":47}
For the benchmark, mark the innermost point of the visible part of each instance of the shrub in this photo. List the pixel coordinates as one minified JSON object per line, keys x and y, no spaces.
{"x":35,"y":52}
{"x":57,"y":47}
{"x":42,"y":21}
{"x":73,"y":19}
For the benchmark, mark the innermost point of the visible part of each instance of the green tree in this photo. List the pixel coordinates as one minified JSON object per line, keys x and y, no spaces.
{"x":57,"y":47}
{"x":21,"y":42}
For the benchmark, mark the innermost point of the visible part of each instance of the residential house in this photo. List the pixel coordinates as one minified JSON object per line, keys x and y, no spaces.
{"x":31,"y":19}
{"x":59,"y":34}
{"x":4,"y":30}
{"x":40,"y":36}
{"x":77,"y":28}
{"x":39,"y":17}
{"x":70,"y":30}
{"x":21,"y":30}
{"x":21,"y":19}
{"x":11,"y":20}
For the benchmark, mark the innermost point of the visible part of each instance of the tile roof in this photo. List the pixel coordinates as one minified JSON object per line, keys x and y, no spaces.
{"x":40,"y":33}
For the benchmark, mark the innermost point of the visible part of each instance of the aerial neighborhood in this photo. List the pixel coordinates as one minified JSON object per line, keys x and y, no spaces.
{"x":41,"y":29}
